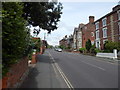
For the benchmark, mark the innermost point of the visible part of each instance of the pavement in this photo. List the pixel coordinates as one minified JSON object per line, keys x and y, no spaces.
{"x":43,"y":75}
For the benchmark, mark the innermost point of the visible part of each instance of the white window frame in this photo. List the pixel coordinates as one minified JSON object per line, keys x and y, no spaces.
{"x":118,"y":12}
{"x":97,"y":34}
{"x":104,"y":22}
{"x":97,"y":25}
{"x":92,"y":34}
{"x":97,"y":45}
{"x":104,"y":32}
{"x":92,"y":42}
{"x":119,"y":27}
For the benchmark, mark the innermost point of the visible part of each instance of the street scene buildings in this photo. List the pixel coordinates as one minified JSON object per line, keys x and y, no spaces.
{"x":104,"y":29}
{"x":108,"y":28}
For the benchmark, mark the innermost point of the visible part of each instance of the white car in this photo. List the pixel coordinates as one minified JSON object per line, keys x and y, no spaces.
{"x":59,"y":50}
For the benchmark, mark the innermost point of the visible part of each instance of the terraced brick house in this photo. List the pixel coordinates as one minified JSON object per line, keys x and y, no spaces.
{"x":108,"y":28}
{"x":88,"y":31}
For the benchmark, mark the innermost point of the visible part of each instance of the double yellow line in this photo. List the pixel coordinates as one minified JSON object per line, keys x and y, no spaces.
{"x":56,"y":66}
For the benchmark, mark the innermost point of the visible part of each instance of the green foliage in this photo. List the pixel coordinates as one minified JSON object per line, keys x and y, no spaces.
{"x":43,"y":14}
{"x":50,"y":46}
{"x":36,"y":44}
{"x":15,"y":36}
{"x":109,"y":46}
{"x":88,"y":45}
{"x":82,"y":50}
{"x":62,"y":47}
{"x":94,"y":50}
{"x":97,"y":50}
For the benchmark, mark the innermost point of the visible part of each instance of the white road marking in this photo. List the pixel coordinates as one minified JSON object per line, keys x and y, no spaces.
{"x":54,"y":69}
{"x":94,"y":65}
{"x":61,"y":73}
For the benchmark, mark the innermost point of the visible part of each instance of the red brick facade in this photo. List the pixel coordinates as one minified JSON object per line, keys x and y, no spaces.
{"x":88,"y":31}
{"x":112,"y":28}
{"x":63,"y":42}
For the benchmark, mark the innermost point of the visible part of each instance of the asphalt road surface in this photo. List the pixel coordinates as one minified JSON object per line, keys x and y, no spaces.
{"x":71,"y":70}
{"x":87,"y":71}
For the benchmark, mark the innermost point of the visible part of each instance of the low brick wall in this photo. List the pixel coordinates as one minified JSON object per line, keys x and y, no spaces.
{"x":15,"y":74}
{"x":75,"y":51}
{"x":34,"y":60}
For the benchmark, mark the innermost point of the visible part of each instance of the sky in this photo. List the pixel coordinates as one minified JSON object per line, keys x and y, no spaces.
{"x":75,"y":13}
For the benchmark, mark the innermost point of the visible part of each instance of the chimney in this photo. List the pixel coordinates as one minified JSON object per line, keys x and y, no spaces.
{"x":81,"y":25}
{"x":116,"y":8}
{"x":91,"y":19}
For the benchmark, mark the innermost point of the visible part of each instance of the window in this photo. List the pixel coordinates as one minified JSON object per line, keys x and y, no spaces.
{"x":97,"y":34}
{"x":97,"y":25}
{"x":92,"y":34}
{"x":119,"y":27}
{"x":92,"y":42}
{"x":97,"y":44}
{"x":104,"y":22}
{"x":118,"y":14}
{"x":85,"y":27}
{"x":104,"y":32}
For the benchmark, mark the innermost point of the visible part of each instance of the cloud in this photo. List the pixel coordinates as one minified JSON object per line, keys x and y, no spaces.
{"x":73,"y":14}
{"x":88,"y":0}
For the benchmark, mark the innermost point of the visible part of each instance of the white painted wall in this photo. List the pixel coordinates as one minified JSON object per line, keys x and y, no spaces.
{"x":108,"y":55}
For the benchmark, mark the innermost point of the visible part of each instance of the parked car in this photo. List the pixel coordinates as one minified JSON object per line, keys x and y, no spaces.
{"x":56,"y":49}
{"x":59,"y":50}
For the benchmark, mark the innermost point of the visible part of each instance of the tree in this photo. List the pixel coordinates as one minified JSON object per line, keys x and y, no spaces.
{"x":62,"y":46}
{"x":43,"y":14}
{"x":88,"y":45}
{"x":15,"y":36}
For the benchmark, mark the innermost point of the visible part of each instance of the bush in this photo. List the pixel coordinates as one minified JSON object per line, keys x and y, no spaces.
{"x":62,"y":46}
{"x":109,"y":46}
{"x":97,"y":50}
{"x":88,"y":45}
{"x":93,"y":50}
{"x":82,"y":50}
{"x":15,"y":35}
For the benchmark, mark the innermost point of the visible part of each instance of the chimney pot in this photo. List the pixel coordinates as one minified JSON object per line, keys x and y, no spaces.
{"x":91,"y":19}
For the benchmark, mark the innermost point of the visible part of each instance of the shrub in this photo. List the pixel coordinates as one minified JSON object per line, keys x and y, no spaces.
{"x":88,"y":45}
{"x":92,"y":49}
{"x":82,"y":50}
{"x":97,"y":50}
{"x":109,"y":46}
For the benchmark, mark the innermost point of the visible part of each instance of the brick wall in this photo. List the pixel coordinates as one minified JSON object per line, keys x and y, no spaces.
{"x":87,"y":31}
{"x":15,"y":74}
{"x":112,"y":28}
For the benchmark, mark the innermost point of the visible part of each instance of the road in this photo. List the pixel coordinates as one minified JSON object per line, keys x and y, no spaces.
{"x":71,"y":70}
{"x":87,"y":71}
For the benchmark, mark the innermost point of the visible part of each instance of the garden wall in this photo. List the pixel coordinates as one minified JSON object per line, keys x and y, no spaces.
{"x":16,"y":74}
{"x":108,"y":55}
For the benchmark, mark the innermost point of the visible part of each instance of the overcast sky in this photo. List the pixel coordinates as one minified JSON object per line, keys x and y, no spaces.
{"x":75,"y":13}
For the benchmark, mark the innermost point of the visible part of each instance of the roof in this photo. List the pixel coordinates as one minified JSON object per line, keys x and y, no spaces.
{"x":113,"y":11}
